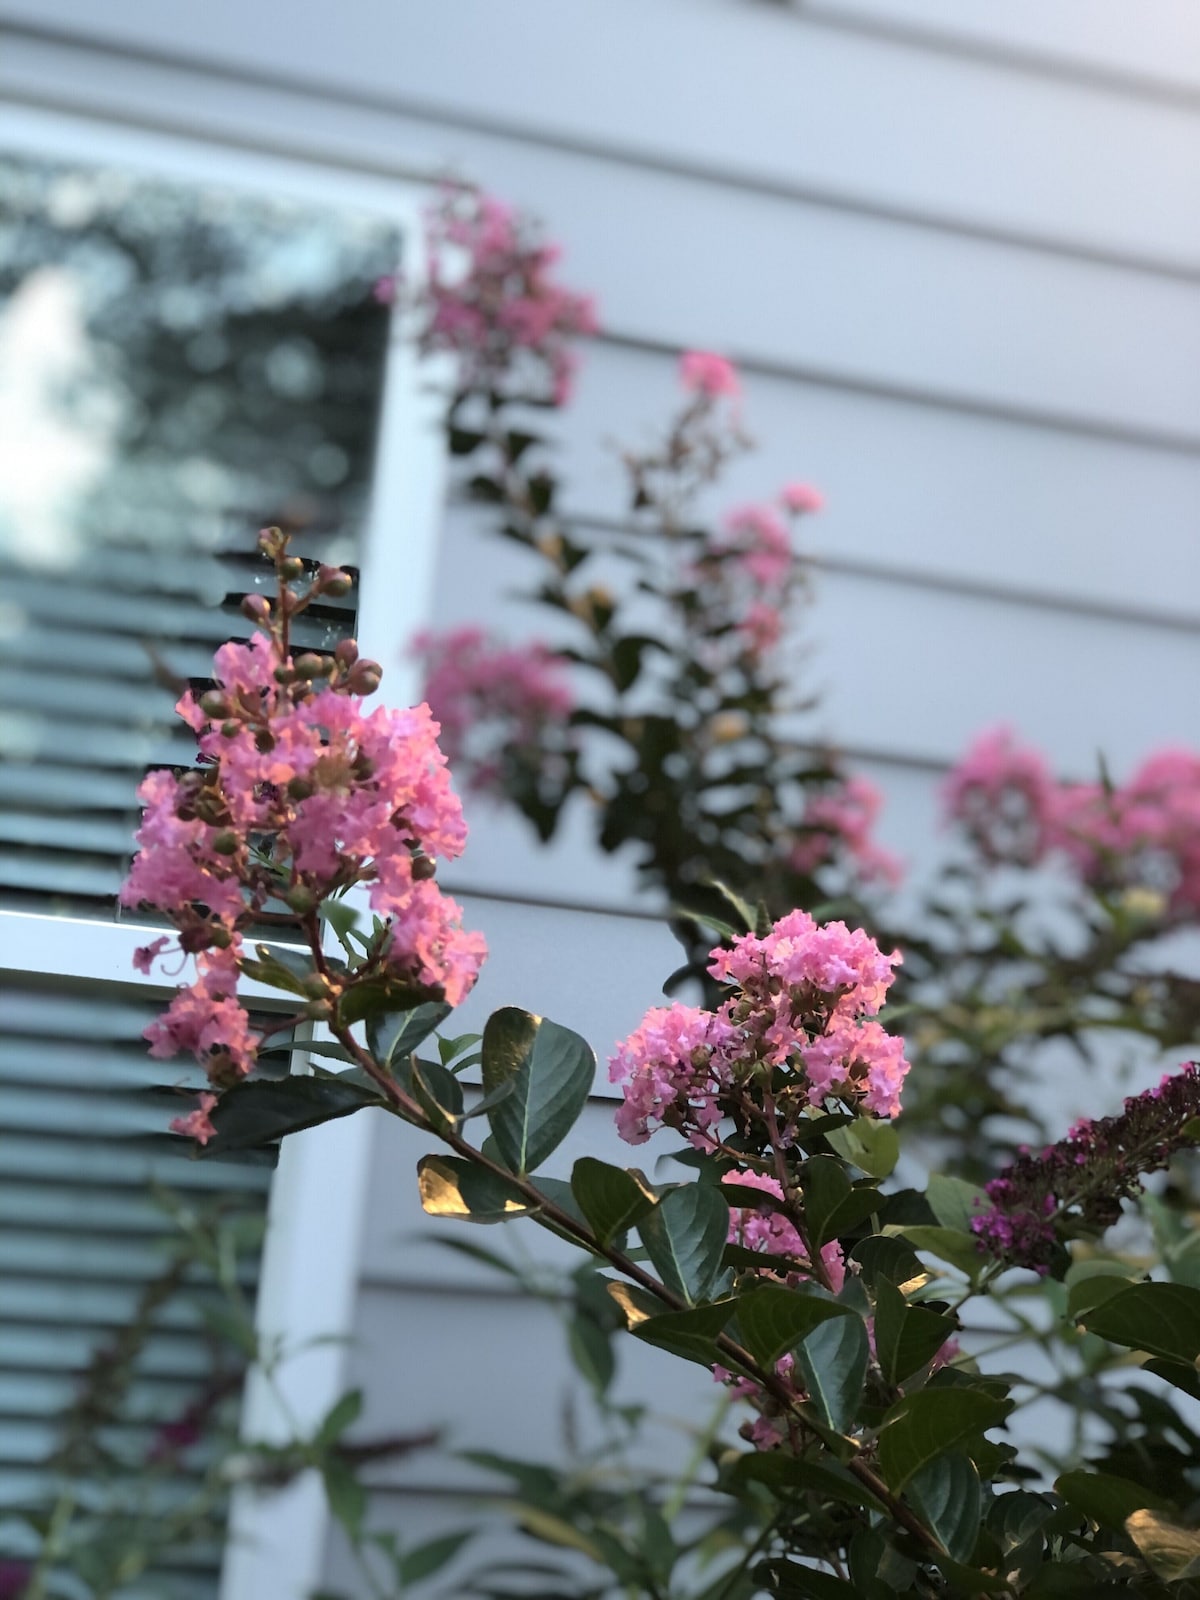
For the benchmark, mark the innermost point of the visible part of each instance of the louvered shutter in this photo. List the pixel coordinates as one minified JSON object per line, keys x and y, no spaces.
{"x":180,"y":363}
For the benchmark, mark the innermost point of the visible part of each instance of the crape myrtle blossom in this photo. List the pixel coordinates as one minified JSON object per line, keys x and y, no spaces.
{"x":301,"y":794}
{"x":768,"y":1230}
{"x":493,"y":702}
{"x":1083,"y":1178}
{"x":804,"y":1001}
{"x":491,"y":299}
{"x":702,"y":373}
{"x":841,"y":819}
{"x":1144,"y":834}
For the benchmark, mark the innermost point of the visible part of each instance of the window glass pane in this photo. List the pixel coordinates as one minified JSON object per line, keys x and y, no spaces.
{"x":180,"y":364}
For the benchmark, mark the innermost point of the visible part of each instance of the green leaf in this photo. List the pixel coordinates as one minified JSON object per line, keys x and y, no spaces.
{"x":1171,"y":1552}
{"x":773,"y":1319}
{"x":272,"y":972}
{"x":791,"y":1581}
{"x":951,"y":1245}
{"x":452,"y":1187}
{"x":1106,"y":1498}
{"x":425,"y":1560}
{"x":591,"y":1350}
{"x":551,"y":1070}
{"x":691,"y":1334}
{"x":906,"y":1337}
{"x":831,"y":1205}
{"x":347,"y":1497}
{"x":923,"y":1426}
{"x":261,"y":1111}
{"x":394,"y":1034}
{"x":890,"y":1258}
{"x":611,"y":1198}
{"x":947,"y":1497}
{"x":1177,"y":1373}
{"x":342,"y":1414}
{"x":785,"y":1473}
{"x":685,"y":1235}
{"x":376,"y":997}
{"x":871,"y":1146}
{"x":438,"y":1093}
{"x":832,"y":1360}
{"x":1161,"y":1318}
{"x":954,"y":1202}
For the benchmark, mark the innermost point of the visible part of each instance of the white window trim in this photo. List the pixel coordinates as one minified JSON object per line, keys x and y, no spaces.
{"x":310,"y":1269}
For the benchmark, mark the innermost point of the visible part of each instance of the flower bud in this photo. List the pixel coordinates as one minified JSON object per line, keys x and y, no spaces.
{"x":300,"y":788}
{"x":334,"y":582}
{"x":319,"y":1010}
{"x":316,"y":987}
{"x":366,"y":678}
{"x":230,"y":730}
{"x":310,"y":666}
{"x":264,"y":742}
{"x":423,"y":868}
{"x":225,"y":843}
{"x":214,"y":704}
{"x":346,"y":652}
{"x":291,"y":568}
{"x":300,"y":898}
{"x":271,"y":541}
{"x":221,"y":937}
{"x":257,"y":608}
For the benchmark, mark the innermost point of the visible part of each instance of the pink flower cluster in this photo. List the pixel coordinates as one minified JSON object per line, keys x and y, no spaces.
{"x":749,"y":573}
{"x":492,"y":300}
{"x":805,"y":1002}
{"x":300,"y":795}
{"x":702,"y":373}
{"x":492,"y":701}
{"x":841,"y":820}
{"x":760,"y":1228}
{"x":1144,"y":833}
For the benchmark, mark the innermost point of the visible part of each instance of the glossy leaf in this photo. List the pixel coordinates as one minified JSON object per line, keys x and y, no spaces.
{"x":923,"y":1426}
{"x":438,"y":1093}
{"x":872,"y":1146}
{"x":947,"y":1497}
{"x":691,"y":1334}
{"x":831,"y":1205}
{"x":785,"y":1473}
{"x":832,"y":1361}
{"x":906,"y":1337}
{"x":1106,"y":1498}
{"x":685,"y":1235}
{"x":258,"y":1113}
{"x":954,"y":1201}
{"x":955,"y":1248}
{"x":773,"y":1319}
{"x":611,"y":1198}
{"x":551,"y":1070}
{"x":394,"y":1034}
{"x":452,"y":1187}
{"x":1161,"y":1318}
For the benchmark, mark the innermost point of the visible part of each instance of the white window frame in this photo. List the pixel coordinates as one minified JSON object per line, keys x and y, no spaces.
{"x":310,"y":1268}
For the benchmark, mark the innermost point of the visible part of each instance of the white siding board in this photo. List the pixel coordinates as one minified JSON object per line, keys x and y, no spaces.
{"x":750,"y":92}
{"x":938,"y":493}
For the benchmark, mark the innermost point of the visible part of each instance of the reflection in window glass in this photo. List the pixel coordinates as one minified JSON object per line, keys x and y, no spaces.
{"x":179,"y":365}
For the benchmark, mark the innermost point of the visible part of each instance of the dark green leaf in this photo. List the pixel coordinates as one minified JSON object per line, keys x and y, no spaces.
{"x":1177,"y":1373}
{"x":591,"y":1350}
{"x":551,"y":1070}
{"x":1107,"y":1498}
{"x":906,"y":1337}
{"x":347,"y":1497}
{"x":786,"y":1474}
{"x":956,"y":1248}
{"x":343,"y":1414}
{"x":948,"y":1499}
{"x":832,"y":1361}
{"x":425,"y":1560}
{"x":773,"y":1319}
{"x":954,"y":1202}
{"x":611,"y":1198}
{"x":923,"y":1426}
{"x":1161,"y":1318}
{"x":790,"y":1581}
{"x":376,"y":997}
{"x":260,"y":1112}
{"x":831,"y":1206}
{"x":888,"y":1258}
{"x":684,"y":1236}
{"x":691,"y":1334}
{"x":273,"y":973}
{"x":438,"y":1093}
{"x":452,"y":1187}
{"x":393,"y":1034}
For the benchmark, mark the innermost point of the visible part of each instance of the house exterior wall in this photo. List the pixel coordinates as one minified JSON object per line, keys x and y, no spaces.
{"x":955,"y":250}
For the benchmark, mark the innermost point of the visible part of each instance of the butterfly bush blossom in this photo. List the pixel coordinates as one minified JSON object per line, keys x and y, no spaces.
{"x":301,"y":794}
{"x":804,"y":1000}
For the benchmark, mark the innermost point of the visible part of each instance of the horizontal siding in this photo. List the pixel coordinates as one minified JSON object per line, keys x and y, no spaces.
{"x":929,"y":490}
{"x":847,"y":113}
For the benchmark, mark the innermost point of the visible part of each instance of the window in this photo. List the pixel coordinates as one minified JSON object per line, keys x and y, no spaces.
{"x":189,"y":348}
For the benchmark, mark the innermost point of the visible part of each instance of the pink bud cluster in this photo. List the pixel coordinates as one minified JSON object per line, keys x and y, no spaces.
{"x":300,"y":795}
{"x":802,"y":1019}
{"x":703,"y":373}
{"x":749,"y":572}
{"x":1144,"y":833}
{"x":493,"y":701}
{"x":839,"y":821}
{"x":491,"y":299}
